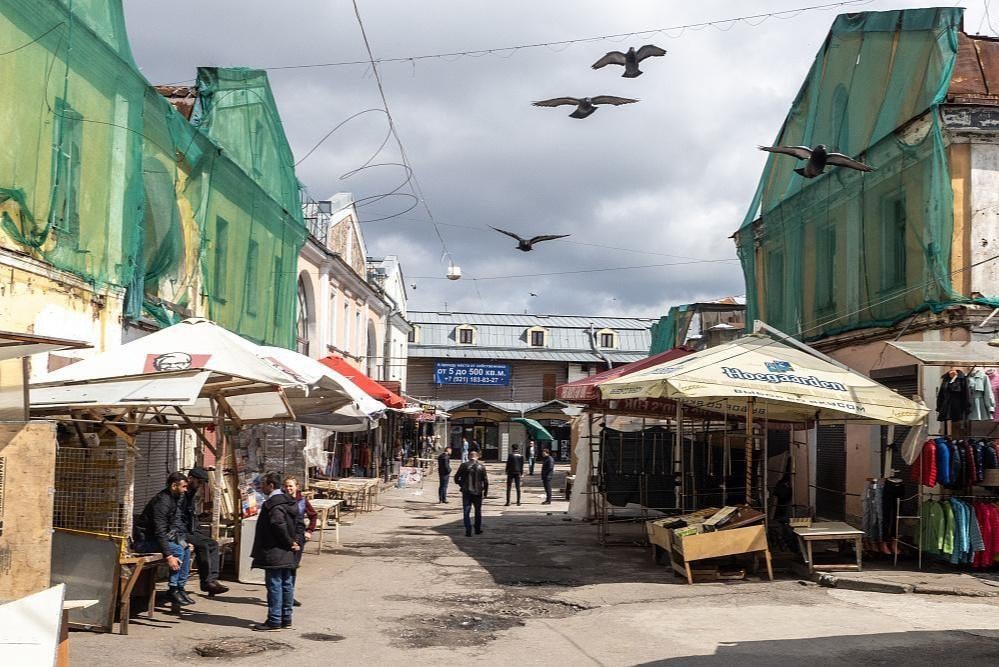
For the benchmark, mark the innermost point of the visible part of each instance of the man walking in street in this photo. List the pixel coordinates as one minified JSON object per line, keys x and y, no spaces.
{"x":443,"y":475}
{"x":514,"y":470}
{"x":531,"y":455}
{"x":158,"y":529}
{"x":471,"y":478}
{"x":206,"y":550}
{"x":547,"y":471}
{"x":464,"y":450}
{"x":274,"y":547}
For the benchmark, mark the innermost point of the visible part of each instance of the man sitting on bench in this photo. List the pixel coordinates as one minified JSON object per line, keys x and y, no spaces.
{"x":156,"y":530}
{"x":206,"y":550}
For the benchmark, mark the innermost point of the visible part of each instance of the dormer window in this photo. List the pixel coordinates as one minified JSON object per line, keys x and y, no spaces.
{"x":414,"y":334}
{"x":537,"y":337}
{"x":607,"y":339}
{"x":465,"y":334}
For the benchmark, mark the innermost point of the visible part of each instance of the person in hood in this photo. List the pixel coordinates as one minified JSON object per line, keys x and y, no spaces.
{"x":274,"y":550}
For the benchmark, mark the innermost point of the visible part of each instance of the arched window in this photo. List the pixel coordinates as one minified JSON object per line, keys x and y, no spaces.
{"x":302,"y":324}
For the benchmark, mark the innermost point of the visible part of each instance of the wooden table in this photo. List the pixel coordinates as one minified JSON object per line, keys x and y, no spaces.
{"x":323,"y":507}
{"x":361,"y":493}
{"x":832,"y":531}
{"x":132,"y":567}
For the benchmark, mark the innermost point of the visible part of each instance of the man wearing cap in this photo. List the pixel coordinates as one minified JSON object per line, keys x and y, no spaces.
{"x":206,"y":550}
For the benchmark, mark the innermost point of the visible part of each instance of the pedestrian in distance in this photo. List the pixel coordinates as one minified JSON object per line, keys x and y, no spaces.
{"x":475,"y":447}
{"x":464,"y":450}
{"x":474,"y":483}
{"x":158,"y":529}
{"x":274,"y":547}
{"x":531,"y":455}
{"x":514,"y":471}
{"x":305,"y":526}
{"x":547,"y":471}
{"x":443,"y":475}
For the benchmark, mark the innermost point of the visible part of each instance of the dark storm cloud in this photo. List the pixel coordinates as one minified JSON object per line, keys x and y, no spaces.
{"x":673,"y":174}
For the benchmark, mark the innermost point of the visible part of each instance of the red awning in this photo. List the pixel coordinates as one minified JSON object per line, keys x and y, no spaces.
{"x":586,"y":388}
{"x":369,"y":386}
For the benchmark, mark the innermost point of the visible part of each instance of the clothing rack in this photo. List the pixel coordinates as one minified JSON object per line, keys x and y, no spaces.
{"x":899,"y":517}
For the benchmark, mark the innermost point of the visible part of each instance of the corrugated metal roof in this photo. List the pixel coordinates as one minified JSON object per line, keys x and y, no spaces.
{"x":525,"y":354}
{"x":512,"y":320}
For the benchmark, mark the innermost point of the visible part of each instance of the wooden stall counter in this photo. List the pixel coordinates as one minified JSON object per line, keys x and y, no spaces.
{"x":691,"y":548}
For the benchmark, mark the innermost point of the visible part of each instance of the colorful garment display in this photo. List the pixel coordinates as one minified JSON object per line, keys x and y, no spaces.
{"x":961,"y":531}
{"x":954,"y":464}
{"x":981,"y":398}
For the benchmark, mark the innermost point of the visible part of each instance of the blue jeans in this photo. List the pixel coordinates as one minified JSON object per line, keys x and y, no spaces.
{"x":530,"y":465}
{"x":178,"y":578}
{"x":280,"y":594}
{"x":442,"y":489}
{"x":468,"y":501}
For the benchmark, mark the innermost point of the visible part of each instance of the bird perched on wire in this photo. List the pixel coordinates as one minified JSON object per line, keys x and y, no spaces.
{"x":526,"y":245}
{"x":630,"y":59}
{"x":584,"y":105}
{"x":818,"y":158}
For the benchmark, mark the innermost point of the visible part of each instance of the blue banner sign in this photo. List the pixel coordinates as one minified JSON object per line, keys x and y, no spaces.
{"x":462,"y":373}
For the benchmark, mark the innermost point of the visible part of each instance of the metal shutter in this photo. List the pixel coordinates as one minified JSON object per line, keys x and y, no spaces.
{"x":157,"y":455}
{"x":830,"y":472}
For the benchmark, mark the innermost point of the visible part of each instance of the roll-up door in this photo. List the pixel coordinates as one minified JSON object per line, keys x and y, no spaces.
{"x":830,"y":472}
{"x":157,"y":455}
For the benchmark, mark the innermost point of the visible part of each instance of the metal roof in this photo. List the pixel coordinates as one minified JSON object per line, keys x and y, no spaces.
{"x":951,"y":353}
{"x":524,"y":354}
{"x":513,"y":320}
{"x":14,"y":345}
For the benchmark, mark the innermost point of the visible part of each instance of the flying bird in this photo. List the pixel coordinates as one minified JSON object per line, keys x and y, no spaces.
{"x":532,"y":293}
{"x":818,"y":158}
{"x":526,"y":245}
{"x":584,"y":105}
{"x":630,"y":59}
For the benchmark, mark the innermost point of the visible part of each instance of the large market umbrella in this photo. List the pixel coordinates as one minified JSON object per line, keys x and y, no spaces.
{"x":536,"y":430}
{"x":586,"y":389}
{"x":755,"y":370}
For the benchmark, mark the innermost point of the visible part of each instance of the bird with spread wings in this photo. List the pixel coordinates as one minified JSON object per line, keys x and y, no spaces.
{"x":526,"y":245}
{"x":630,"y":59}
{"x":584,"y":105}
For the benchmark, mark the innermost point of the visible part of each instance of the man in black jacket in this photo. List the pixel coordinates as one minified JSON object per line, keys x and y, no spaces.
{"x":547,"y":471}
{"x":206,"y":550}
{"x":274,"y":548}
{"x":474,"y":483}
{"x":443,"y":474}
{"x":158,"y":529}
{"x":514,"y":470}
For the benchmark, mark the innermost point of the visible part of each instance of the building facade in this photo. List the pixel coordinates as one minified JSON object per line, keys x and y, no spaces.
{"x":487,"y":369}
{"x":343,"y":307}
{"x":385,"y":273}
{"x":854,"y":262}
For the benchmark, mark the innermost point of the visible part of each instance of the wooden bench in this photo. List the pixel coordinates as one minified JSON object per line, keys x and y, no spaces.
{"x":132,"y":568}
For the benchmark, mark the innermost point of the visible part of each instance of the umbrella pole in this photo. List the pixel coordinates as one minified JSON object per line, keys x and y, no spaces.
{"x":678,"y":467}
{"x":749,"y":450}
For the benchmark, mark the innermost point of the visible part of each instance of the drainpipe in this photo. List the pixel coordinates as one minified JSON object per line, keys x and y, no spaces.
{"x":596,"y":349}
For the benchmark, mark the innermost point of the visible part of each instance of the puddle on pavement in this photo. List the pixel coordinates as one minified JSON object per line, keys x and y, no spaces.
{"x":452,"y":630}
{"x":322,"y":637}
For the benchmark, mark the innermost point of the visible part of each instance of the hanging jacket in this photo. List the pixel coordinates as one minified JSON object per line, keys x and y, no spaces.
{"x":994,"y":381}
{"x":933,"y":527}
{"x":956,"y":465}
{"x":924,"y":468}
{"x":943,"y":461}
{"x":981,"y":400}
{"x":953,"y":398}
{"x":970,"y":470}
{"x":987,"y":526}
{"x":947,"y":536}
{"x":990,"y":457}
{"x":979,"y":449}
{"x":960,"y":542}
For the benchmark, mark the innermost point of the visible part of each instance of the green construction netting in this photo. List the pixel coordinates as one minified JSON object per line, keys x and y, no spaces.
{"x":103,"y":178}
{"x":847,"y":250}
{"x":664,"y":331}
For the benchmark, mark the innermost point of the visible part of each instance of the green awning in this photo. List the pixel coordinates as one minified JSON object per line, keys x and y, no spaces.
{"x":534,"y":428}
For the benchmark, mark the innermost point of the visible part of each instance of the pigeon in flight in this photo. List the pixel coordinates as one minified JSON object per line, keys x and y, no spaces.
{"x":630,"y":59}
{"x":532,"y":293}
{"x":526,"y":245}
{"x":818,"y":158}
{"x":584,"y":105}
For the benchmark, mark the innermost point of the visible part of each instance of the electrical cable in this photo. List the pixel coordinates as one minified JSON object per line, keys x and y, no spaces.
{"x":578,"y":271}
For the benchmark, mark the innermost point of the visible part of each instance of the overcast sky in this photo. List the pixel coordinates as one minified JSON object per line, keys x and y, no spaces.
{"x":664,"y":181}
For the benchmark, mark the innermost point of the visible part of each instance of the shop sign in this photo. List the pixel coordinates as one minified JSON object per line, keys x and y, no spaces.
{"x":446,"y":372}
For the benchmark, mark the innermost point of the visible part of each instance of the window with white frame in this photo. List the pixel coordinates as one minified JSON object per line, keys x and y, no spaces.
{"x":465,"y":334}
{"x":537,"y":337}
{"x":607,"y":338}
{"x":414,"y":335}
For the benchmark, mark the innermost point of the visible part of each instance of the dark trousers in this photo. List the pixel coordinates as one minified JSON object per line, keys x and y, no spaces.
{"x":468,"y":501}
{"x":510,"y":480}
{"x":442,"y":488}
{"x":206,"y":551}
{"x":547,"y":481}
{"x":530,"y":465}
